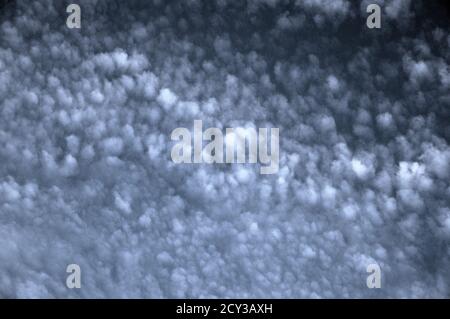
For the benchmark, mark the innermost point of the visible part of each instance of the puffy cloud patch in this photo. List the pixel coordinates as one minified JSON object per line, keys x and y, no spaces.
{"x":86,"y":175}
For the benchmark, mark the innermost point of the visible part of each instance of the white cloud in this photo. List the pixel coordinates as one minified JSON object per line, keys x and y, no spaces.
{"x":86,"y":176}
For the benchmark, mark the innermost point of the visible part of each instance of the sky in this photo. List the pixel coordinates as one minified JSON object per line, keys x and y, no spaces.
{"x":86,"y":175}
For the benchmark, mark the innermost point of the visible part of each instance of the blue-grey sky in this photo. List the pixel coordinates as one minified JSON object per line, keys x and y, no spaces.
{"x":86,"y":175}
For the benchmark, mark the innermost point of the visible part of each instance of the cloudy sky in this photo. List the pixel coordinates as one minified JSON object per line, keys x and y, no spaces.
{"x":86,"y":176}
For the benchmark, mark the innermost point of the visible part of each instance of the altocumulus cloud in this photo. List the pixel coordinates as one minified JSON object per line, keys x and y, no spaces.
{"x":86,"y":175}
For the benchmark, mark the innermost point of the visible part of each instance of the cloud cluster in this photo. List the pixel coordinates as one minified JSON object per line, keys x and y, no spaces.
{"x":86,"y":175}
